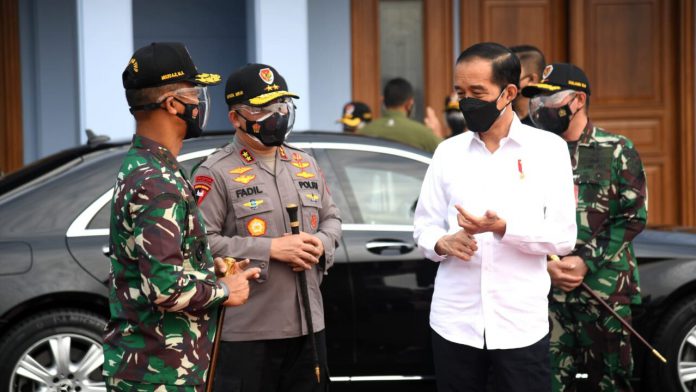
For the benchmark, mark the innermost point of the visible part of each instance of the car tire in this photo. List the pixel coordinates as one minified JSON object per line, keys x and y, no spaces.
{"x":678,"y":324}
{"x":58,"y":350}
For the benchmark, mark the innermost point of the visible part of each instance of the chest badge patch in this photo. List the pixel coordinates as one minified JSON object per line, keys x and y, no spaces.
{"x":314,"y":221}
{"x":301,"y":165}
{"x":519,"y":169}
{"x":304,"y":174}
{"x":240,"y":170}
{"x":256,"y":227}
{"x":244,"y":179}
{"x":253,"y":203}
{"x":312,"y":197}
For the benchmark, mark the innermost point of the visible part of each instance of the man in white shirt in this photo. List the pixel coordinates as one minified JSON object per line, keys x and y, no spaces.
{"x":494,"y":203}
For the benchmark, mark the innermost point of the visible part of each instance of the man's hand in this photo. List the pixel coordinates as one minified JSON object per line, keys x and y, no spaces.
{"x":300,"y":251}
{"x":580,"y":269}
{"x":460,"y":244}
{"x":238,"y":285}
{"x":221,"y":266}
{"x":480,"y":224}
{"x":568,"y":273}
{"x":433,"y":122}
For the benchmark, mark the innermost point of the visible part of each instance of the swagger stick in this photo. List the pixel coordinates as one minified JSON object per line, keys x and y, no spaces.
{"x":295,"y":229}
{"x":621,"y":320}
{"x":216,"y":343}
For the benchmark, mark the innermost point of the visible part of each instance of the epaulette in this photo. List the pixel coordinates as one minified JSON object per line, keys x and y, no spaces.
{"x":217,"y":155}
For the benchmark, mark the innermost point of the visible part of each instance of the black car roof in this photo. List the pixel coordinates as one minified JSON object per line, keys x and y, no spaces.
{"x":47,"y":164}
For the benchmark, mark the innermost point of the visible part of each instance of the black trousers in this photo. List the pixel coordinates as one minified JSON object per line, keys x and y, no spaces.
{"x":279,"y":365}
{"x":461,"y":368}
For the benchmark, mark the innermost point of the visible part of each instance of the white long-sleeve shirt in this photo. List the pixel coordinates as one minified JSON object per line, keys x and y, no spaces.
{"x":502,"y":290}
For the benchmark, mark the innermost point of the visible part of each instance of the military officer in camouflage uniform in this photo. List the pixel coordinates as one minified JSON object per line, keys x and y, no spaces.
{"x":611,"y":210}
{"x":163,"y":294}
{"x":243,"y":190}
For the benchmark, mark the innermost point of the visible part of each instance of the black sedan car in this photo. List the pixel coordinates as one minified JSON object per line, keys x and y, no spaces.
{"x":53,"y":271}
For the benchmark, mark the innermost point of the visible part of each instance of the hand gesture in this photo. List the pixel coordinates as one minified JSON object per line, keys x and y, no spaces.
{"x":238,"y":285}
{"x":228,"y":263}
{"x":460,"y":244}
{"x":480,"y":224}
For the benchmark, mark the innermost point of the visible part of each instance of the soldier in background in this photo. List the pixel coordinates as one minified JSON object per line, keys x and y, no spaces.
{"x":533,"y":63}
{"x":611,"y":210}
{"x":163,"y":295}
{"x":396,"y":124}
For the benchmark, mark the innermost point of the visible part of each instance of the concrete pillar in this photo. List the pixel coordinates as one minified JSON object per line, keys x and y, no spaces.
{"x":105,"y":41}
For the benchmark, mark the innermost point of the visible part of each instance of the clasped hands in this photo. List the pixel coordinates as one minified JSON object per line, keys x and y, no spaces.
{"x":462,"y":244}
{"x":300,"y":251}
{"x":567,"y":273}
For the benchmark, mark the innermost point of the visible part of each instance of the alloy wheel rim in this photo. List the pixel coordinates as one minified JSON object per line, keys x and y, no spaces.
{"x":60,"y":362}
{"x":686,"y":365}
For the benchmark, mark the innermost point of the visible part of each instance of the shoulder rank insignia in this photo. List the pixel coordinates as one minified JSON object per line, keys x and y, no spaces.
{"x":312,"y":197}
{"x":240,"y":170}
{"x":256,"y":227}
{"x":304,"y":174}
{"x":253,"y":203}
{"x":244,"y":179}
{"x":281,"y":152}
{"x":246,"y":155}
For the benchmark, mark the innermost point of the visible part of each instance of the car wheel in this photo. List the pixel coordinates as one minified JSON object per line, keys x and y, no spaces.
{"x":58,"y":350}
{"x":675,"y":339}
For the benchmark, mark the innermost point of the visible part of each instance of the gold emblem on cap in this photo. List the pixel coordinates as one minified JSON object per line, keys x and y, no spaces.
{"x":207,"y":78}
{"x":134,"y":63}
{"x":547,"y":72}
{"x":266,"y":75}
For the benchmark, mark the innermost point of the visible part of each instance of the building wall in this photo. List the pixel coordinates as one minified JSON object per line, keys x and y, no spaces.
{"x":50,"y":76}
{"x":329,"y":61}
{"x":214,"y":31}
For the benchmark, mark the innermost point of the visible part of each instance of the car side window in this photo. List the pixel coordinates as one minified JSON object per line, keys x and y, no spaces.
{"x":102,"y":218}
{"x":380,"y":188}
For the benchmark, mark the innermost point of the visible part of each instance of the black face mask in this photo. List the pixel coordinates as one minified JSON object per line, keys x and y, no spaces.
{"x":272,"y":131}
{"x":456,"y":122}
{"x":190,"y":116}
{"x":554,"y":120}
{"x":479,"y":114}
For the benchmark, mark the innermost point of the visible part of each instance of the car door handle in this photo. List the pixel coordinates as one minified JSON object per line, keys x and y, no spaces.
{"x":382,"y":246}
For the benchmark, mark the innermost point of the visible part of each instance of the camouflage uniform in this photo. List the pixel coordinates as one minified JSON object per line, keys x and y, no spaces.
{"x":611,"y":211}
{"x":163,"y":293}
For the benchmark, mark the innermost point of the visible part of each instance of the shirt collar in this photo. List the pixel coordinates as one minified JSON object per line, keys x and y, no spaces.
{"x":515,"y":134}
{"x":588,"y":134}
{"x":162,"y":153}
{"x":393,"y":113}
